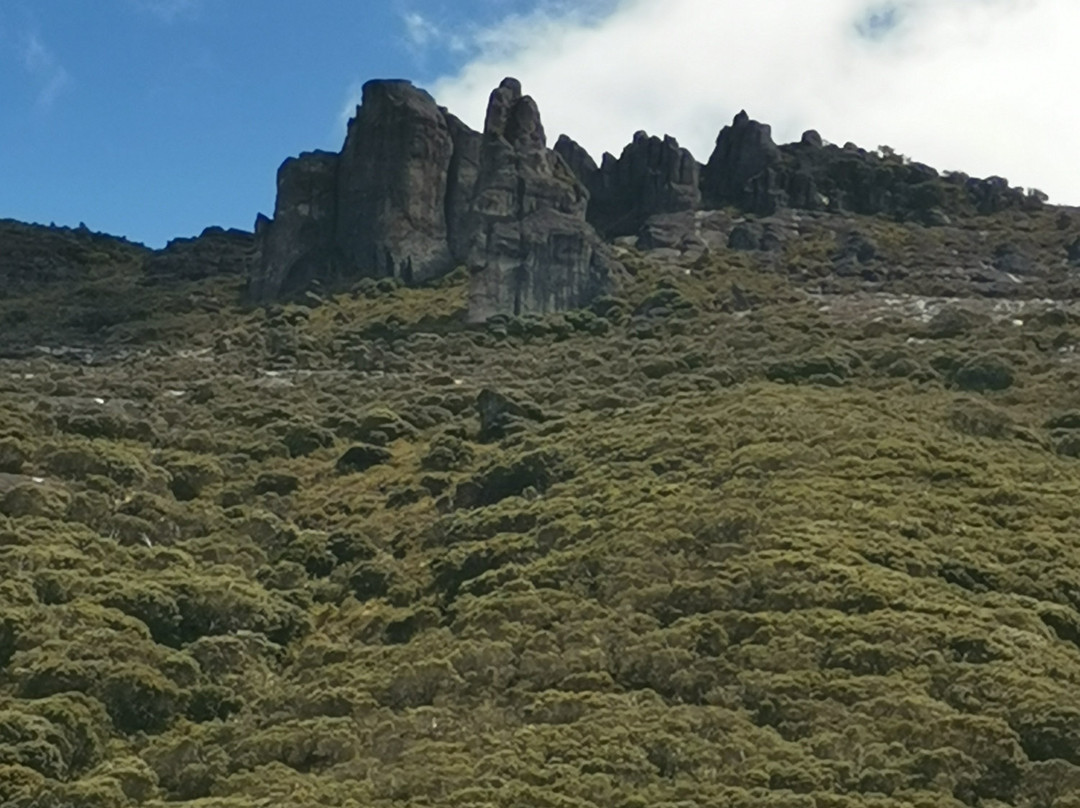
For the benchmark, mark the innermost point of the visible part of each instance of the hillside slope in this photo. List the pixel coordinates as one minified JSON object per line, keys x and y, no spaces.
{"x":768,"y":528}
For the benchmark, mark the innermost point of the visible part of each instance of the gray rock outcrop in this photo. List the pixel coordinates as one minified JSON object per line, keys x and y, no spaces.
{"x":743,"y":168}
{"x":391,"y":212}
{"x":750,"y":172}
{"x":298,"y":246}
{"x":460,"y":183}
{"x":652,"y":176}
{"x":415,"y":192}
{"x":380,"y":208}
{"x":578,"y":159}
{"x":530,"y":247}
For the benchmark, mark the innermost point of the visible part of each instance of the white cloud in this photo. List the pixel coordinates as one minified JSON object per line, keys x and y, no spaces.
{"x":419,"y":29}
{"x":45,"y":69}
{"x":980,"y":86}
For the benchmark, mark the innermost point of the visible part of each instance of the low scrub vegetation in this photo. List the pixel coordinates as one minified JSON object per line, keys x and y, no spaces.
{"x":717,"y":541}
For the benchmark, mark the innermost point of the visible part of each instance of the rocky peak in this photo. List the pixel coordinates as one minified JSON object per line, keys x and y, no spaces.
{"x":745,"y":152}
{"x":578,"y":159}
{"x":652,"y":176}
{"x":415,"y":192}
{"x":391,"y":218}
{"x":298,"y":247}
{"x":531,"y":249}
{"x":514,"y":117}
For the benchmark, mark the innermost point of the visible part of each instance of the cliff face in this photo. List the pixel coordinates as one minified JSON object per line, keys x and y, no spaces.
{"x":391,"y":217}
{"x":298,"y":247}
{"x":530,"y":248}
{"x":415,"y":192}
{"x":652,"y":176}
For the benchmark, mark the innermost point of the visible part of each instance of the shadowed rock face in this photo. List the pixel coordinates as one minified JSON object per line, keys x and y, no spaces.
{"x":749,"y":171}
{"x":461,"y":181}
{"x":530,"y":249}
{"x":652,"y":176}
{"x":579,"y":160}
{"x":297,"y":247}
{"x":742,"y":169}
{"x":391,"y":216}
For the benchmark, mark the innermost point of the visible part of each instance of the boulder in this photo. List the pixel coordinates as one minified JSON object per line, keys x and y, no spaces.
{"x":392,"y":185}
{"x":746,"y":236}
{"x":530,"y":249}
{"x":500,"y":415}
{"x":1072,"y":251}
{"x":362,"y":457}
{"x":667,"y":231}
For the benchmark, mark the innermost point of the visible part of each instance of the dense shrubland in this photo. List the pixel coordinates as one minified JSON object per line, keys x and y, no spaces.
{"x":715,"y":541}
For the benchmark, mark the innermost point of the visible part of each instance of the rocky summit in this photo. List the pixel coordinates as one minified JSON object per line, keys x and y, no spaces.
{"x":489,"y":475}
{"x":415,"y":193}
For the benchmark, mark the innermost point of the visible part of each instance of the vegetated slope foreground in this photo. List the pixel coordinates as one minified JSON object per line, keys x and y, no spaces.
{"x":784,"y":528}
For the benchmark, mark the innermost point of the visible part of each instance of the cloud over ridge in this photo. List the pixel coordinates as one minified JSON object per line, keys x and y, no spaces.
{"x":972,"y":85}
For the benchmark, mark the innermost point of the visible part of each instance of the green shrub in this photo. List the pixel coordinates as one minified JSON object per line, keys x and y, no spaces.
{"x":984,"y":374}
{"x":980,"y":420}
{"x":13,"y":455}
{"x":361,"y":458}
{"x":79,"y":462}
{"x":533,"y":472}
{"x":447,"y":453}
{"x":189,"y":475}
{"x":303,"y":439}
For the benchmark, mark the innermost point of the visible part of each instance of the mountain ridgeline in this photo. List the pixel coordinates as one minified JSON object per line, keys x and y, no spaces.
{"x":415,"y":193}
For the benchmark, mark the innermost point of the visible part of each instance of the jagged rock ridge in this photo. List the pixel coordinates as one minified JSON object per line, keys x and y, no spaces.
{"x":751,"y":172}
{"x":415,"y":192}
{"x":652,"y":176}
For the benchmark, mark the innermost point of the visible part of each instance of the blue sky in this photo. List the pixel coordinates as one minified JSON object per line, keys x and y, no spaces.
{"x":153,"y":119}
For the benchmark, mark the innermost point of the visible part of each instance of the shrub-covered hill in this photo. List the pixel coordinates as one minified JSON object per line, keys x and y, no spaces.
{"x":722,"y":540}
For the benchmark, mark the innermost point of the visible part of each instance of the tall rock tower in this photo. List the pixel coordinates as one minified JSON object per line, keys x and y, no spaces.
{"x":415,"y":192}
